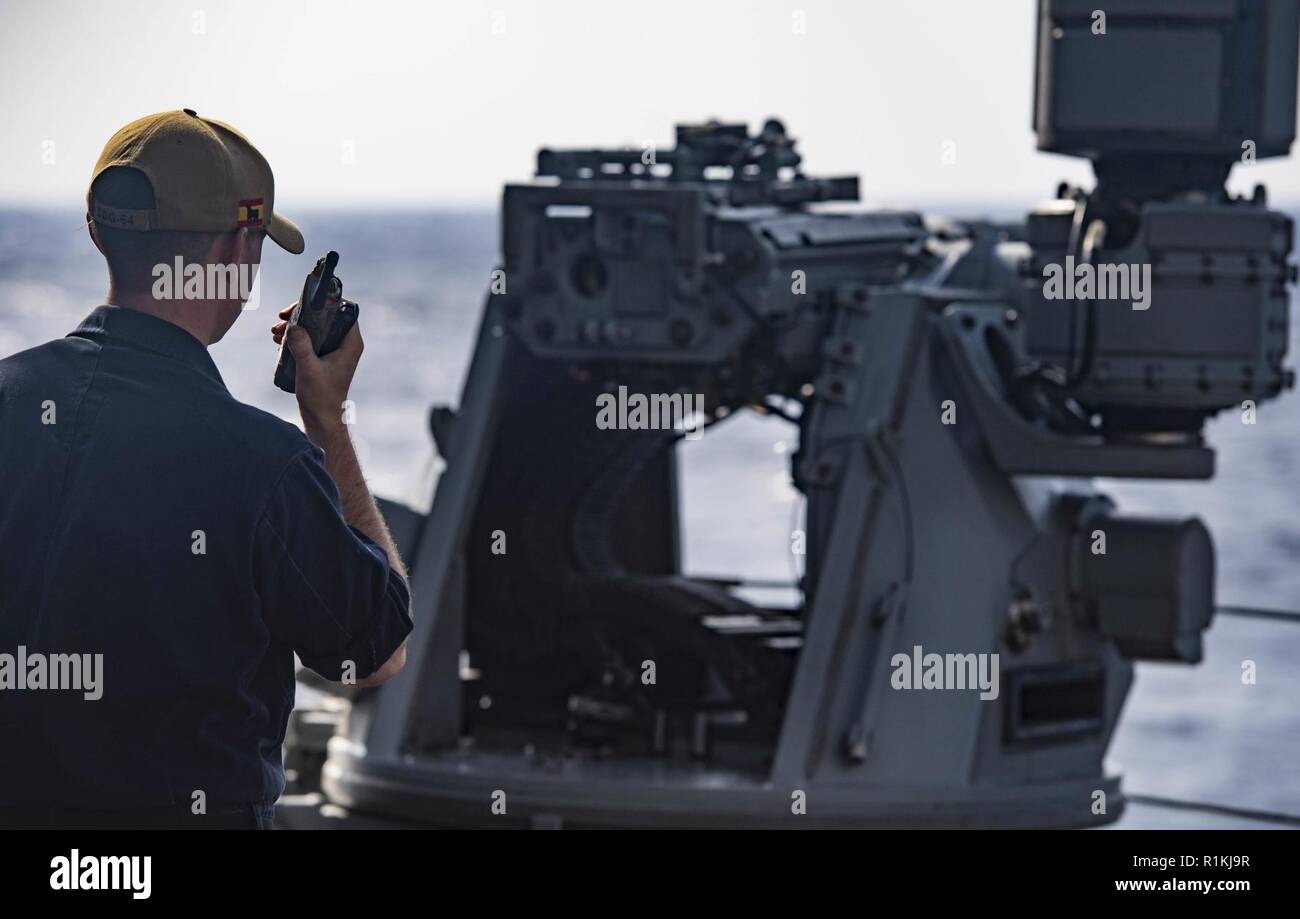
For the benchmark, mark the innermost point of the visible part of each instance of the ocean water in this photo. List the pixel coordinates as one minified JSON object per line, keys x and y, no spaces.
{"x":1189,"y":733}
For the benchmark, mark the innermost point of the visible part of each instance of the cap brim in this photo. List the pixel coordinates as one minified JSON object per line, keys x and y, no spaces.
{"x":285,"y":233}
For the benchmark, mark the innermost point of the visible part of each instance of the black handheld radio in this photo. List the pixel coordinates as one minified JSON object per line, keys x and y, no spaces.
{"x":322,"y":311}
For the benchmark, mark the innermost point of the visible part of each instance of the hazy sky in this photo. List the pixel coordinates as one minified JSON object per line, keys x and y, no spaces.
{"x":423,"y":103}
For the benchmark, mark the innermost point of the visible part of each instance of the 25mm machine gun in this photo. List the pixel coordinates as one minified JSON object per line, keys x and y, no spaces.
{"x":955,"y":387}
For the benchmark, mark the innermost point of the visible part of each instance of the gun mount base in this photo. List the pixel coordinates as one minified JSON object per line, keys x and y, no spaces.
{"x":456,"y":789}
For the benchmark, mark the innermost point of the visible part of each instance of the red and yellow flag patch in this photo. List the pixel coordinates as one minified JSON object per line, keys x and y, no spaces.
{"x":250,"y":212}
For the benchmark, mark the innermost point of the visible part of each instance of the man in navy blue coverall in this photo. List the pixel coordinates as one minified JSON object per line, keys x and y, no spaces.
{"x":164,"y":549}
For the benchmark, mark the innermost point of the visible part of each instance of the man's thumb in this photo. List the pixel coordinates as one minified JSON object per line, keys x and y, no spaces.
{"x":298,"y":342}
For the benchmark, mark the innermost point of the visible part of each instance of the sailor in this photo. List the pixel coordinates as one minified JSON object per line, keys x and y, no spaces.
{"x":195,"y":542}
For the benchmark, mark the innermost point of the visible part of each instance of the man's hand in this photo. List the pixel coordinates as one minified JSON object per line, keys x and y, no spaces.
{"x":322,"y":382}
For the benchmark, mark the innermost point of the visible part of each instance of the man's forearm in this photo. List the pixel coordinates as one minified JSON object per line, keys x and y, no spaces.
{"x":359,"y":508}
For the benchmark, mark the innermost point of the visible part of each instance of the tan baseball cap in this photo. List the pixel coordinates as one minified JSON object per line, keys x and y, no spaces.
{"x":206,"y":176}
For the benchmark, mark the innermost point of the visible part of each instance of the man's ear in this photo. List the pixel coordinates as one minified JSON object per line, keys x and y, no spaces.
{"x":224,"y":249}
{"x":246,"y":246}
{"x":90,"y":228}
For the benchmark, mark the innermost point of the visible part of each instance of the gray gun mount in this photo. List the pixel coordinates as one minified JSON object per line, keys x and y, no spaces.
{"x":950,"y":417}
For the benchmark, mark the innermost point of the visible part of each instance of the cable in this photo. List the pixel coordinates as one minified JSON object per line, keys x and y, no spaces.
{"x":909,"y":539}
{"x":1093,"y":239}
{"x":1072,"y":247}
{"x":1248,"y":612}
{"x":1225,"y":810}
